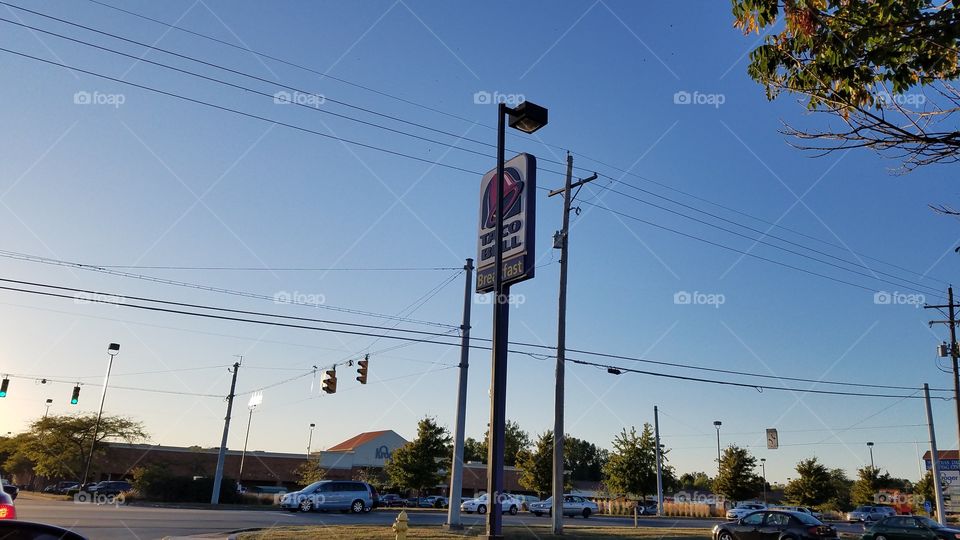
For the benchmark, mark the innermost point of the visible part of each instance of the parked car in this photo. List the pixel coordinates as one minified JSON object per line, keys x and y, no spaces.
{"x":7,"y":509}
{"x":647,"y":508}
{"x":741,"y":510}
{"x":909,"y":528}
{"x":775,"y":525}
{"x":325,"y":495}
{"x":113,"y":487}
{"x":390,"y":500}
{"x":526,"y":501}
{"x":66,"y":485}
{"x":804,"y":509}
{"x":480,"y":504}
{"x":573,"y":505}
{"x":10,"y":489}
{"x":887,"y":510}
{"x":434,"y":501}
{"x":866,"y":513}
{"x":26,"y":529}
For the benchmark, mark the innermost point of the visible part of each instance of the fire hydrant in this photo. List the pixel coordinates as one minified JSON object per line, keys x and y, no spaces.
{"x":400,"y":525}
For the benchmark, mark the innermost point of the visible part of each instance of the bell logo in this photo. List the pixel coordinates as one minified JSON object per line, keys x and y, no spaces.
{"x":512,"y":198}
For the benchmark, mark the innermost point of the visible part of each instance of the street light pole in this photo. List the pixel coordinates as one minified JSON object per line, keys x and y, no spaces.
{"x":526,"y":117}
{"x":717,"y":424}
{"x":255,"y":400}
{"x":870,"y":446}
{"x":49,"y":402}
{"x":310,"y":439}
{"x":763,"y":466}
{"x":112,"y":350}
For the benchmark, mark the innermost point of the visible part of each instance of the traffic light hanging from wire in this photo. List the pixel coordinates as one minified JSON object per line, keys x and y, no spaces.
{"x":75,"y":398}
{"x":330,"y":381}
{"x":3,"y":387}
{"x":362,"y":370}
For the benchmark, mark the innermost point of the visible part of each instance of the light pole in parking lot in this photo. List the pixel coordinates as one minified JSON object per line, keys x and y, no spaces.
{"x":310,"y":439}
{"x":49,"y":402}
{"x":112,"y":350}
{"x":763,"y":467}
{"x":870,"y":446}
{"x":255,"y":400}
{"x":717,"y":424}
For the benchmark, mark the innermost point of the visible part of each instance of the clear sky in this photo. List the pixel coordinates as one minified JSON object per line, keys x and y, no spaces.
{"x":139,"y":178}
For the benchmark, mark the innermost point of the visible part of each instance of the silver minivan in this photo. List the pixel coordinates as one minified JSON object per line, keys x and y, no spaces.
{"x":345,"y":495}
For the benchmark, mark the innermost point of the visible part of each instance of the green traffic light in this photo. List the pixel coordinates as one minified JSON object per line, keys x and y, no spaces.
{"x":3,"y":387}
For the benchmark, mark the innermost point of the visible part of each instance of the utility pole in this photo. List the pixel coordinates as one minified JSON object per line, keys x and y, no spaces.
{"x":934,"y":458}
{"x":456,"y":471}
{"x":558,"y":433}
{"x":218,"y":477}
{"x":656,"y":435}
{"x":954,"y":349}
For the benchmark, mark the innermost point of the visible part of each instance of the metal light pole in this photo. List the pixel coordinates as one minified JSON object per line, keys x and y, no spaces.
{"x":112,"y":350}
{"x":870,"y":446}
{"x":49,"y":402}
{"x":717,"y":424}
{"x":526,"y":117}
{"x":310,"y":439}
{"x":763,"y":466}
{"x":255,"y":400}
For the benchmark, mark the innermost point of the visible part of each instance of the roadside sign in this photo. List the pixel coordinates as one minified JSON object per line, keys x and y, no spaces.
{"x":519,"y":223}
{"x":773,"y":440}
{"x":927,"y":506}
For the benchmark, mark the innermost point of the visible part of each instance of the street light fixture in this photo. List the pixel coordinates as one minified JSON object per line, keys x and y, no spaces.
{"x":255,"y":400}
{"x":49,"y":402}
{"x":528,"y":118}
{"x":310,"y":439}
{"x":763,"y":466}
{"x":870,"y":446}
{"x":717,"y":424}
{"x":112,"y":350}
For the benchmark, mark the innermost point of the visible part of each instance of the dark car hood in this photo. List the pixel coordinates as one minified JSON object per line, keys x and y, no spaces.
{"x":947,"y":530}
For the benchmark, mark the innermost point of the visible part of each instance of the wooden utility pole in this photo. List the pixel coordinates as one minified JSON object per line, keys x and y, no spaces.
{"x":954,"y":350}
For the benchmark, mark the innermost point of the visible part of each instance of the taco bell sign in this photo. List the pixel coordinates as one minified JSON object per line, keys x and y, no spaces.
{"x":519,"y":223}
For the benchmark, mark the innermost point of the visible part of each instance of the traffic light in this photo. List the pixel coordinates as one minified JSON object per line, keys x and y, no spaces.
{"x":75,"y":398}
{"x":362,"y":370}
{"x":330,"y":382}
{"x":3,"y":387}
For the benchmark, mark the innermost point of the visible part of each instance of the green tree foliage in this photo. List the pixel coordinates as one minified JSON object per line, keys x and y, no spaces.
{"x":58,"y":445}
{"x":866,"y":489}
{"x":516,"y":439}
{"x":632,"y":467}
{"x":696,"y":481}
{"x":924,"y":488}
{"x":421,"y":463}
{"x":737,"y":479}
{"x":583,"y":459}
{"x":840,"y":487}
{"x":813,"y":485}
{"x":536,"y":465}
{"x":857,"y":60}
{"x":309,"y":472}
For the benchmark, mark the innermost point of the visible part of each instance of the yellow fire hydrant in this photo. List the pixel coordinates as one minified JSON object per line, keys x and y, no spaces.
{"x":400,"y":525}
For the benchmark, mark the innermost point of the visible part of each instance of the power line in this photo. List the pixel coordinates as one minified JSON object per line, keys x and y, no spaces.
{"x":279,"y":269}
{"x":275,"y":299}
{"x":112,"y":386}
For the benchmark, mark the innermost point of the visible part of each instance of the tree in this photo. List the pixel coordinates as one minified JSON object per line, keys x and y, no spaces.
{"x":59,"y":445}
{"x":632,"y":467}
{"x":583,"y":459}
{"x":840,"y":486}
{"x":813,"y":485}
{"x":856,"y":60}
{"x":515,"y":440}
{"x":924,"y":488}
{"x":536,"y":466}
{"x":421,"y":463}
{"x":737,"y":479}
{"x":309,"y":472}
{"x":865,"y":488}
{"x":697,"y":481}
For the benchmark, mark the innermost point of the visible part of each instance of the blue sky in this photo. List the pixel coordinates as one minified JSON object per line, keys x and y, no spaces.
{"x":158,"y":181}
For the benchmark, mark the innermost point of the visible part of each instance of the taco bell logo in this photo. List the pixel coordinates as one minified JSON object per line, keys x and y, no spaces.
{"x":512,"y":198}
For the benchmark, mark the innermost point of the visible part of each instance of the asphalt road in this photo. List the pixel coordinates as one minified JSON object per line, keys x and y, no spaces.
{"x":144,"y":522}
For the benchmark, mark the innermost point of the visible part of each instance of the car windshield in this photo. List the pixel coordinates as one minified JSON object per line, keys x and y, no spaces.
{"x":929,"y":523}
{"x":312,"y":486}
{"x":806,"y":519}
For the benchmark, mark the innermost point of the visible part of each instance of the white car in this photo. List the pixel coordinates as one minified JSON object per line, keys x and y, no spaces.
{"x":573,"y":505}
{"x":480,"y":504}
{"x":743,"y":509}
{"x":801,"y":509}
